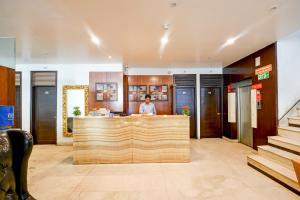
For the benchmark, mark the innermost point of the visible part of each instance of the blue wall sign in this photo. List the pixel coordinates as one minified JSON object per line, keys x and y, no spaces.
{"x":6,"y":116}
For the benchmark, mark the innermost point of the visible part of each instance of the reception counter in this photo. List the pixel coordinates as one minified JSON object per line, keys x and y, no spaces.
{"x":131,"y":139}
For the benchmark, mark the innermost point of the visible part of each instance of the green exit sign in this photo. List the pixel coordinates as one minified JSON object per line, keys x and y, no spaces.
{"x":263,"y":76}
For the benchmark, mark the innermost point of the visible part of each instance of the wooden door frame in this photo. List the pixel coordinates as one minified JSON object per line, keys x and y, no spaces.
{"x":31,"y":102}
{"x":221,"y":110}
{"x":195,"y":103}
{"x":221,"y":86}
{"x":21,"y":93}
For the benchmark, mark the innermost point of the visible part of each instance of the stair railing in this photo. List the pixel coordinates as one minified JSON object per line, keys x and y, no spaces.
{"x":292,"y":112}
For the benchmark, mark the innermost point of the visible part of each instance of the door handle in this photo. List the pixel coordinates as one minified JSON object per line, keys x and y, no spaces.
{"x":218,"y":113}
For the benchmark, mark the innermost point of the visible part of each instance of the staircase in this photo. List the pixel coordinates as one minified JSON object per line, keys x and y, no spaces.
{"x":275,"y":159}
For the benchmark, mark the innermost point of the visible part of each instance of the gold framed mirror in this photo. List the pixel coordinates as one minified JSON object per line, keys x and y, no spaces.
{"x":74,"y":96}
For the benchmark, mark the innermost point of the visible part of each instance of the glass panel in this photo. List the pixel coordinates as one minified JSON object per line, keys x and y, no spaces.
{"x":8,"y":52}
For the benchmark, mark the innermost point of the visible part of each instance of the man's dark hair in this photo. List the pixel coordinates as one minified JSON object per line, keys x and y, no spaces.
{"x":147,"y":96}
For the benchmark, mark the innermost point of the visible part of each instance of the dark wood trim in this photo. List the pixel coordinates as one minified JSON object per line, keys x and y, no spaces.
{"x":221,"y":87}
{"x":220,"y":107}
{"x":21,"y":96}
{"x":186,"y":81}
{"x":31,"y":100}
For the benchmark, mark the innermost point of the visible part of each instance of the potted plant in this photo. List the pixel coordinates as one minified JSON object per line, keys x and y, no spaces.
{"x":185,"y":110}
{"x":76,"y":111}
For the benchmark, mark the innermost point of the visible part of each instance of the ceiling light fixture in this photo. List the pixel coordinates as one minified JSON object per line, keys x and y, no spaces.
{"x":164,"y":40}
{"x":274,"y":7}
{"x":95,"y":40}
{"x":230,"y":41}
{"x":109,"y":57}
{"x":173,"y":4}
{"x":166,"y":27}
{"x":93,"y":37}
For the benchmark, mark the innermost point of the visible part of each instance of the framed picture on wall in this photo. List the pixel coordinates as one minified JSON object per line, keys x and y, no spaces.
{"x":106,"y":91}
{"x":158,"y":92}
{"x":99,"y":96}
{"x":99,"y":86}
{"x":137,"y":92}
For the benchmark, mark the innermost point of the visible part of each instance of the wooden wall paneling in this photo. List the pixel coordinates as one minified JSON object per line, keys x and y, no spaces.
{"x":7,"y":87}
{"x":133,"y":107}
{"x":267,"y":116}
{"x":93,"y":78}
{"x":162,"y":107}
{"x":125,"y":92}
{"x":96,"y":77}
{"x":116,"y":77}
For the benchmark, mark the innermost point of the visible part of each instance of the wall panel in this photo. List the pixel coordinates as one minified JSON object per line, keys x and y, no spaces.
{"x":162,"y":107}
{"x":7,"y":86}
{"x":96,"y":77}
{"x":267,"y":115}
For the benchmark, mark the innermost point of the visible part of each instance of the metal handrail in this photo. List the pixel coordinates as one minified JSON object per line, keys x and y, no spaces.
{"x":289,"y":110}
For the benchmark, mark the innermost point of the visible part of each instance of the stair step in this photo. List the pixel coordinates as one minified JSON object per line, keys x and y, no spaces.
{"x":294,"y":121}
{"x":275,"y":170}
{"x":277,"y":155}
{"x":289,"y":132}
{"x":284,"y":142}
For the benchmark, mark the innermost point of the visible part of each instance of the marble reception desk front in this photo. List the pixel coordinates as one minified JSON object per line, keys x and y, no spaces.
{"x":131,"y":139}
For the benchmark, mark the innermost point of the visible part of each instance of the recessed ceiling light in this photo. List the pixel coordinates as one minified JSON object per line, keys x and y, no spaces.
{"x":173,"y":4}
{"x":95,"y":40}
{"x":274,"y":7}
{"x":230,"y":41}
{"x":166,"y":26}
{"x":164,"y":40}
{"x":109,"y":57}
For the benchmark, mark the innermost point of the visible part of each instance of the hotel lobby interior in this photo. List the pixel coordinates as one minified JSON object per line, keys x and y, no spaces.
{"x":150,"y":100}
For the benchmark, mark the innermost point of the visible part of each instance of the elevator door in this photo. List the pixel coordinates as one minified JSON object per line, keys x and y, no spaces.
{"x":244,"y":107}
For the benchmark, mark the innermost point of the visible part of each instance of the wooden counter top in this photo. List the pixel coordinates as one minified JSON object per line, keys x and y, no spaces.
{"x":137,"y":139}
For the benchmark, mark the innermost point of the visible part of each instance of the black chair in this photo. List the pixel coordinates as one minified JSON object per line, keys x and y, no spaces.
{"x":15,"y":150}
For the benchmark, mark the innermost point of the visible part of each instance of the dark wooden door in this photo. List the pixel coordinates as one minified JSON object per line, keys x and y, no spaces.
{"x":186,"y":96}
{"x":210,"y":109}
{"x":18,"y":108}
{"x":44,"y":114}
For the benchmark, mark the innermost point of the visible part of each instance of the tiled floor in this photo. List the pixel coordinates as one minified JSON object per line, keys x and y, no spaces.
{"x":218,"y":171}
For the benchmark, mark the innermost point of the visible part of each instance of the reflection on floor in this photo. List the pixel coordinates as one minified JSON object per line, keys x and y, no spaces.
{"x":218,"y":171}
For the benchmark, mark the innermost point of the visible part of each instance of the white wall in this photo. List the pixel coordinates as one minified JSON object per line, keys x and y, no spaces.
{"x":171,"y":71}
{"x":288,"y":61}
{"x":66,"y":75}
{"x":79,"y":75}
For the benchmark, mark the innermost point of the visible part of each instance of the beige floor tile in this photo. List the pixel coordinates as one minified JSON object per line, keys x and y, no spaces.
{"x":122,"y":195}
{"x":122,"y":183}
{"x":218,"y":171}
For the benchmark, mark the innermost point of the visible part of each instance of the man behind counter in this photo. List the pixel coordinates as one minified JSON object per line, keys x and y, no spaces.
{"x":147,"y":107}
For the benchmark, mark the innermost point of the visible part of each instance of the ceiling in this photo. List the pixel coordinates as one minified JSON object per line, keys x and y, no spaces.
{"x":60,"y":31}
